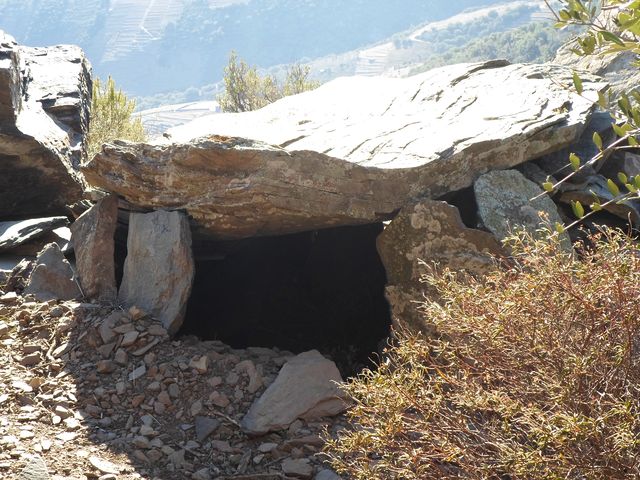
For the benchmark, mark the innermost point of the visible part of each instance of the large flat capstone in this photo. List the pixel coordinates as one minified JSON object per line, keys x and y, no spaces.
{"x":353,"y":151}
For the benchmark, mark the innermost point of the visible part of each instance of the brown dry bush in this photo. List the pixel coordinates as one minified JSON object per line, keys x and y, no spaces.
{"x":534,"y":374}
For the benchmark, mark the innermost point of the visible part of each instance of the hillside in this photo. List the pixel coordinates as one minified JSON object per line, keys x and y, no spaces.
{"x":153,"y":46}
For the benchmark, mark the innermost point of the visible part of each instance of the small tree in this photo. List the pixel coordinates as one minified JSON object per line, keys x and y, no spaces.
{"x":246,"y":90}
{"x":111,"y":117}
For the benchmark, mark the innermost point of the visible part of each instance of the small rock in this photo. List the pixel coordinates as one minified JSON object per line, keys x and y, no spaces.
{"x":31,"y":359}
{"x":141,"y":442}
{"x":147,"y":431}
{"x":136,"y":313}
{"x":121,"y":357}
{"x":22,"y":386}
{"x":138,"y":372}
{"x":297,"y":467}
{"x":66,"y":436}
{"x":105,"y":366}
{"x":196,"y":408}
{"x":174,"y":390}
{"x":105,"y":329}
{"x":202,"y":474}
{"x":104,"y":466}
{"x":129,"y":338}
{"x":72,"y":423}
{"x":4,"y":329}
{"x":200,"y":364}
{"x":106,"y":349}
{"x":156,"y":330}
{"x":163,"y":398}
{"x":327,"y":474}
{"x":205,"y":426}
{"x":267,"y":447}
{"x":219,"y":399}
{"x":177,"y":458}
{"x":36,"y":469}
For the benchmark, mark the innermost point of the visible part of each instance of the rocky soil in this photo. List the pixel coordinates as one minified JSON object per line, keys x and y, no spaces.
{"x":88,"y":391}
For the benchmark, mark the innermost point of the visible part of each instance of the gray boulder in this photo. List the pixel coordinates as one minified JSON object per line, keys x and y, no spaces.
{"x":45,"y":95}
{"x":354,"y":151}
{"x":52,"y":277}
{"x":159,"y":268}
{"x":306,"y":387}
{"x":505,"y":203}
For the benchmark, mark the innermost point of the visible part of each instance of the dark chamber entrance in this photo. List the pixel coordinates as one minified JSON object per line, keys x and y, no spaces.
{"x":322,"y":289}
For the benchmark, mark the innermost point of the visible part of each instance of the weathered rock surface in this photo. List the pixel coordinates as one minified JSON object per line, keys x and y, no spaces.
{"x":19,"y":232}
{"x":52,"y":278}
{"x":93,"y":241}
{"x":432,"y":232}
{"x":505,"y":203}
{"x":159,"y":268}
{"x":353,"y":151}
{"x":305,"y":388}
{"x":44,"y":115}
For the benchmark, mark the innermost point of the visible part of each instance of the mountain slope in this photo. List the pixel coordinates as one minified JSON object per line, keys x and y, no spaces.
{"x":151,"y":46}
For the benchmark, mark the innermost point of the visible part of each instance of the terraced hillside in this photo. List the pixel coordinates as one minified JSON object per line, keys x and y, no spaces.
{"x":152,"y":46}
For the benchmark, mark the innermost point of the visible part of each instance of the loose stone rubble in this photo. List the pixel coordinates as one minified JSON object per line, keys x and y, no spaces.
{"x":74,"y":402}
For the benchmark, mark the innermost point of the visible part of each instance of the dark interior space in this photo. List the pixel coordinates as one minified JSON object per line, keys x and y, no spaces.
{"x":465,"y":201}
{"x":320,"y":289}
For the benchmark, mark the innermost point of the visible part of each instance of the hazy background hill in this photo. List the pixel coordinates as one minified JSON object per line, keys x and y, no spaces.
{"x":153,"y":46}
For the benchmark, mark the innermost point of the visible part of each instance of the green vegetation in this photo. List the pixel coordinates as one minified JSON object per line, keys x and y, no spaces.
{"x":532,"y":43}
{"x":612,"y":28}
{"x":111,"y":117}
{"x":534,"y":373}
{"x":246,"y":90}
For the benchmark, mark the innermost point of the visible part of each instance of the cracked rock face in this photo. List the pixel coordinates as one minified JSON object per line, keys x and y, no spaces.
{"x":44,"y":115}
{"x":353,"y":151}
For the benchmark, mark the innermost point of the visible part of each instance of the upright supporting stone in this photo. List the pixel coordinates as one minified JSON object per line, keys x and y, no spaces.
{"x":92,"y":236}
{"x":430,"y":231}
{"x":159,"y":268}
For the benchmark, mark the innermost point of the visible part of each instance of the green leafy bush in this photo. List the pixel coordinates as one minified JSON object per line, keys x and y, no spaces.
{"x":534,"y":373}
{"x":246,"y":90}
{"x":111,"y":117}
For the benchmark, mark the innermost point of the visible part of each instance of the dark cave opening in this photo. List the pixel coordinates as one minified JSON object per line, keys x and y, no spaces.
{"x":320,"y":289}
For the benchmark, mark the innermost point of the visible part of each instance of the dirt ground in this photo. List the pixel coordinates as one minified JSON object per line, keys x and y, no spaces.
{"x":87,"y":391}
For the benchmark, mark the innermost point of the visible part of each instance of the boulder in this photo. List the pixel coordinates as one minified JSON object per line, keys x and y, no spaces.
{"x":45,"y":95}
{"x":432,"y":232}
{"x":306,"y":387}
{"x":13,"y":234}
{"x":353,"y":151}
{"x":505,"y":203}
{"x":159,"y":268}
{"x":92,"y":235}
{"x":52,"y":277}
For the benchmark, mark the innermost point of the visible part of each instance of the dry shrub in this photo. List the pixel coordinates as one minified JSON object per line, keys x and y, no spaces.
{"x":534,"y":374}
